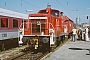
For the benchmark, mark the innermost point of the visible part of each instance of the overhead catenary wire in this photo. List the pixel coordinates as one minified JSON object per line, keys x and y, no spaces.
{"x":63,"y":6}
{"x":30,"y":4}
{"x":68,"y":8}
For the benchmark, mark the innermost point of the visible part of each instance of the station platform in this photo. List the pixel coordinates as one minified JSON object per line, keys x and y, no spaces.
{"x":78,"y":50}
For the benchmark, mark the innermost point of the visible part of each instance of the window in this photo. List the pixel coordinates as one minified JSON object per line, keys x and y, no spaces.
{"x":55,"y":13}
{"x":15,"y":23}
{"x":4,"y":22}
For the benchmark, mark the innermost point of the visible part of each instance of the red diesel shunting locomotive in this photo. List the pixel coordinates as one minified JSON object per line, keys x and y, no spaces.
{"x":44,"y":28}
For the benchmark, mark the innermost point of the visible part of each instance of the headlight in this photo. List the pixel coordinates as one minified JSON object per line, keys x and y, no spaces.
{"x":24,"y":39}
{"x":45,"y":40}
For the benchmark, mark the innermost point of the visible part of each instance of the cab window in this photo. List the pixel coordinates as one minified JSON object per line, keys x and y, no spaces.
{"x":55,"y":13}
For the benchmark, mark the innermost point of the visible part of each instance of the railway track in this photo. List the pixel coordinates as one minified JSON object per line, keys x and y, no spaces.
{"x":28,"y":56}
{"x":25,"y":53}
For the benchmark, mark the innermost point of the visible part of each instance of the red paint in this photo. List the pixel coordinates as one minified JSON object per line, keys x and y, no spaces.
{"x":53,"y":21}
{"x":10,"y":23}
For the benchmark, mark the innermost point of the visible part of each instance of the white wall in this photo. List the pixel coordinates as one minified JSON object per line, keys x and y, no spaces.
{"x":9,"y":35}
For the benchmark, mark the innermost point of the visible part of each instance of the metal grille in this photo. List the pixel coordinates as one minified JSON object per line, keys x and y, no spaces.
{"x":38,"y":26}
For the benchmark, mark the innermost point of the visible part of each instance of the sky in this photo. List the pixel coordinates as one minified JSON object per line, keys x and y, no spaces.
{"x":71,"y":8}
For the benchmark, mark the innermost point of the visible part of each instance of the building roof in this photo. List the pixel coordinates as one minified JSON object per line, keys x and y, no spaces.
{"x":10,"y":13}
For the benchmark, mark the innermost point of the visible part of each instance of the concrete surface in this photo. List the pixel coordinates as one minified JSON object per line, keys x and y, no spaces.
{"x":78,"y":50}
